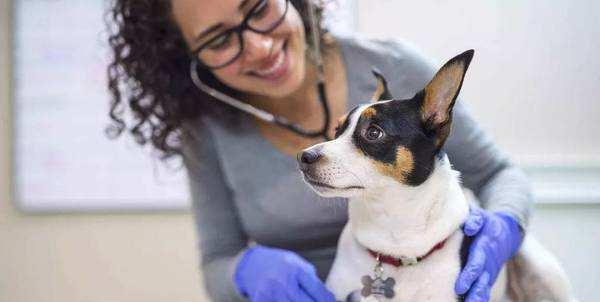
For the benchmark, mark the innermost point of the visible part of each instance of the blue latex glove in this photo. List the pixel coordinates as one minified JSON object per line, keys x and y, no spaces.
{"x":268,"y":274}
{"x":497,"y":238}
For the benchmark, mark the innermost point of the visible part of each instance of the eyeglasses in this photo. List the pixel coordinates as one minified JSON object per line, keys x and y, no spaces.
{"x":226,"y":47}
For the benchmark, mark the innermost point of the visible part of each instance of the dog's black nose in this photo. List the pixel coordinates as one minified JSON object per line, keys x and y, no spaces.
{"x":309,"y":156}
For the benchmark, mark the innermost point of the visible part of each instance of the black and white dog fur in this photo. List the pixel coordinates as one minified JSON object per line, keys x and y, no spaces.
{"x":404,"y":198}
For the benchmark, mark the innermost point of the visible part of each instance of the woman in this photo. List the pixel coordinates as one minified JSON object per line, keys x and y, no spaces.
{"x":244,"y":182}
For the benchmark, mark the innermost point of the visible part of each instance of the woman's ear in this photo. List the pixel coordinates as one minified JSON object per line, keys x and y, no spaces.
{"x":382,"y":92}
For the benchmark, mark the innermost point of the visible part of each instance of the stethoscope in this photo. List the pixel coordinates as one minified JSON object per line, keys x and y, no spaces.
{"x":266,"y":116}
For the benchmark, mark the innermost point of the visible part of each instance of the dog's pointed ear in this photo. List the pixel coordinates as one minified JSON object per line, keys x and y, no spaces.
{"x":382,"y":92}
{"x":440,"y":95}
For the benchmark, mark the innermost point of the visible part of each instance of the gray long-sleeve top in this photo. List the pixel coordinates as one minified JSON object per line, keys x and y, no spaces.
{"x":244,"y":189}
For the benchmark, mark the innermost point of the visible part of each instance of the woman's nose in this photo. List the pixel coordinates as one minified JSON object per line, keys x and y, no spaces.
{"x":258,"y":46}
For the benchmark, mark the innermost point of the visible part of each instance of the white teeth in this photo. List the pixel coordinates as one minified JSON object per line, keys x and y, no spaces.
{"x":276,"y":65}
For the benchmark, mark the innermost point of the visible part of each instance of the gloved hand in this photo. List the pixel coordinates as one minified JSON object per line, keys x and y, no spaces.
{"x":497,"y":238}
{"x":268,"y":274}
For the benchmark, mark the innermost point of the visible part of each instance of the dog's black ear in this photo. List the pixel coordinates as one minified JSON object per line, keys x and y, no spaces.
{"x":382,"y":92}
{"x":440,"y":95}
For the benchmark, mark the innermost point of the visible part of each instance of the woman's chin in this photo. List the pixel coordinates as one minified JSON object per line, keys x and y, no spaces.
{"x":281,"y":91}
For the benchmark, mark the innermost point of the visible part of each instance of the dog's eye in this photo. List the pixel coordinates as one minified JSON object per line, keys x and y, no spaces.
{"x":373,"y":133}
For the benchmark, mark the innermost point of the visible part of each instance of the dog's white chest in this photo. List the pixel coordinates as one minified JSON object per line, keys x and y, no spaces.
{"x":430,"y":280}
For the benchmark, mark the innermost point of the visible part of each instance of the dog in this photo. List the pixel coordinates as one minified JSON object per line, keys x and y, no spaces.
{"x":403,"y":239}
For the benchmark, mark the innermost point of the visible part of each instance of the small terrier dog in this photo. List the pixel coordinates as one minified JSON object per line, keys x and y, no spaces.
{"x":403,"y":239}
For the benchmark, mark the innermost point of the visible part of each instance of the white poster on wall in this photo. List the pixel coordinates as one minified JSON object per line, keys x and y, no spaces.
{"x":62,"y":159}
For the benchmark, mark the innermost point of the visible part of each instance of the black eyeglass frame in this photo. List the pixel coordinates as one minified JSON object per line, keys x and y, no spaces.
{"x":244,"y":25}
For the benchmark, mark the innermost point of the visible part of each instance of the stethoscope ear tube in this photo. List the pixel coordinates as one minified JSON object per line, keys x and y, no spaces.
{"x":261,"y":114}
{"x":281,"y":121}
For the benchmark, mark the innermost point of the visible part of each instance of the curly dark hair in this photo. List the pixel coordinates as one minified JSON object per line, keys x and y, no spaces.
{"x":150,"y":72}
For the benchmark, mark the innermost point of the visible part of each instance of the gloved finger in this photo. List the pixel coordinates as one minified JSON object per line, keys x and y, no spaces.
{"x":481,"y":290}
{"x":313,"y":286}
{"x":472,"y":270}
{"x":280,"y":294}
{"x":296,"y":293}
{"x":271,"y":292}
{"x":474,"y":222}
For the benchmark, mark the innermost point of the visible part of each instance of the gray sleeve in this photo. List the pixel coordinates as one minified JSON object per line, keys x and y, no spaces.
{"x":494,"y":179}
{"x":221,"y":239}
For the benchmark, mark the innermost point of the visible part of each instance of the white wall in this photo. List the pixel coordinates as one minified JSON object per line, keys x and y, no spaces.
{"x":572,"y":232}
{"x":534,"y":79}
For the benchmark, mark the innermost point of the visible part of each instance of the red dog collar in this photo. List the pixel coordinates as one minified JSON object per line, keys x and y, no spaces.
{"x":404,"y":261}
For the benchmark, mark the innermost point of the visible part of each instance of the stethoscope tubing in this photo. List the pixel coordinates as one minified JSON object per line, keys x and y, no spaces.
{"x":264,"y":115}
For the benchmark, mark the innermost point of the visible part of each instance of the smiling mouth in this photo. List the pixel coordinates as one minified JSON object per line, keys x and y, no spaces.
{"x":324,"y":185}
{"x":278,"y":67}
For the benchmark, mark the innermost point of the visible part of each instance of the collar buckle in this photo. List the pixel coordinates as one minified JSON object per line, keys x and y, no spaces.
{"x":408,"y":261}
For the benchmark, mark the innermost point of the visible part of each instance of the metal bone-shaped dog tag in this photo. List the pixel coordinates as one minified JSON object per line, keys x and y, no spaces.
{"x":377,"y":286}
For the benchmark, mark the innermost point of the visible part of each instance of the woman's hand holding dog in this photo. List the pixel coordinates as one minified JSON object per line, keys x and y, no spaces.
{"x":497,"y":238}
{"x":268,"y":274}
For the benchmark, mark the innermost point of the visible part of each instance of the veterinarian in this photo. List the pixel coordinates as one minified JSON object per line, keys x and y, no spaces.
{"x":235,"y":87}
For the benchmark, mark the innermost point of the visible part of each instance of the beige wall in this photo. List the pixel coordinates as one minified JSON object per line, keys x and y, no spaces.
{"x":152,"y":257}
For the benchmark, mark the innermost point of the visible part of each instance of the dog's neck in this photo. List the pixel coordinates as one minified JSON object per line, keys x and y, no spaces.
{"x":408,"y":221}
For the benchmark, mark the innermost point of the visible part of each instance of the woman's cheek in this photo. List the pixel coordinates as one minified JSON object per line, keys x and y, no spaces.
{"x":231,"y":75}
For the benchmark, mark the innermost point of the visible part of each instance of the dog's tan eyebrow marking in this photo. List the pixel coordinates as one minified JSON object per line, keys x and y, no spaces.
{"x":402,"y":167}
{"x":369,"y":112}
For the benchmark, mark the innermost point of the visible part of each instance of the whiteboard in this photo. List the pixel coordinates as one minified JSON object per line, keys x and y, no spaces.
{"x":62,"y":159}
{"x":63,"y":162}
